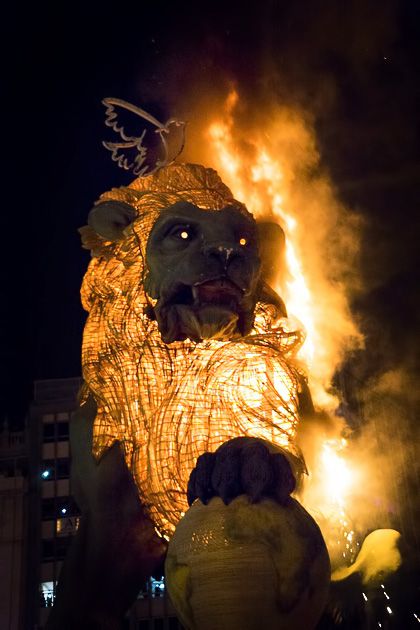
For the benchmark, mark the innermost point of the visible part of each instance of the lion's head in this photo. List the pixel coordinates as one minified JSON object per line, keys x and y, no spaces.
{"x":185,"y":345}
{"x":200,"y":252}
{"x":203,"y":270}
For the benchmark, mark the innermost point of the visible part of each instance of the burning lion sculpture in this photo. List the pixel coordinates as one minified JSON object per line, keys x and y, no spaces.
{"x":186,"y":352}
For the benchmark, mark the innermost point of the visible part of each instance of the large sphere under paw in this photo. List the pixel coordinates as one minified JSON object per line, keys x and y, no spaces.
{"x":246,"y":566}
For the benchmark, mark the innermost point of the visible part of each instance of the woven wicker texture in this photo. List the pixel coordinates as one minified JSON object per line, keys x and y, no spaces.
{"x":167,"y":404}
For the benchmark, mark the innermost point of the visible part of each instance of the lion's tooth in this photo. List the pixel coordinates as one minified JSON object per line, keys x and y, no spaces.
{"x":195,"y":292}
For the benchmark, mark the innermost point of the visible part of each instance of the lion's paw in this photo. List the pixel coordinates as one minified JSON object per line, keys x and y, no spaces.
{"x":241,"y":466}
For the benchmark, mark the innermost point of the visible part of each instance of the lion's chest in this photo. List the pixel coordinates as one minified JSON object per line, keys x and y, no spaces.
{"x":226,"y":390}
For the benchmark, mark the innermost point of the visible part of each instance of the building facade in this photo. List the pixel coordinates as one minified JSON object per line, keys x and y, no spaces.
{"x":13,"y":526}
{"x":39,"y":517}
{"x":54,"y":515}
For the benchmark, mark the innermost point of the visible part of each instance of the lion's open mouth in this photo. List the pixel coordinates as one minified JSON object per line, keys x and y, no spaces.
{"x":215,"y":309}
{"x":220,"y":293}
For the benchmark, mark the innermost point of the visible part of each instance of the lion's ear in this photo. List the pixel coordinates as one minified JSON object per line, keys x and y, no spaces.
{"x":110,"y":218}
{"x":271,"y":245}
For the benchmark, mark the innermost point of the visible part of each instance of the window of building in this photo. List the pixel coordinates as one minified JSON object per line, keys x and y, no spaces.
{"x":47,"y":508}
{"x":55,"y":469}
{"x":48,"y":469}
{"x":7,"y":468}
{"x":56,"y":431}
{"x":46,"y":592}
{"x":61,"y":547}
{"x":63,"y":468}
{"x":47,"y":550}
{"x":157,"y":587}
{"x":67,"y":506}
{"x":58,"y":507}
{"x":67,"y":526}
{"x":62,"y":431}
{"x":48,"y":432}
{"x":152,"y":588}
{"x":55,"y":549}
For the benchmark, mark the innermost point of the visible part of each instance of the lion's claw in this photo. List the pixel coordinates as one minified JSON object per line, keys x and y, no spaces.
{"x":226,"y":477}
{"x":200,"y":482}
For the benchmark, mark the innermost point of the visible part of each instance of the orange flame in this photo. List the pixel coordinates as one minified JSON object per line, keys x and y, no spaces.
{"x":271,"y":163}
{"x":274,"y":170}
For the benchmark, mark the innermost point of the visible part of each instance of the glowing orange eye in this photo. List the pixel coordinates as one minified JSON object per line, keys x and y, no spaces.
{"x":242,"y":241}
{"x":184,"y":235}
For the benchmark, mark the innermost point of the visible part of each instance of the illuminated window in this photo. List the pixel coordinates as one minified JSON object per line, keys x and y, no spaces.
{"x":153,"y":588}
{"x":46,"y":591}
{"x":67,"y":526}
{"x":157,"y":587}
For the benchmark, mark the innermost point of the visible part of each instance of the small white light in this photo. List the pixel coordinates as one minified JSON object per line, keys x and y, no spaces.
{"x":364,"y":597}
{"x":184,"y":234}
{"x":389,"y":610}
{"x":64,"y":510}
{"x":46,"y":474}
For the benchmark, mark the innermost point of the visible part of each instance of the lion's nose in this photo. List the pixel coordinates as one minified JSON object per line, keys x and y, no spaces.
{"x":224,"y":252}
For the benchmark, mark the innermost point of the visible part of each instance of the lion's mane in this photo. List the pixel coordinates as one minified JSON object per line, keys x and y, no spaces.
{"x":167,"y":404}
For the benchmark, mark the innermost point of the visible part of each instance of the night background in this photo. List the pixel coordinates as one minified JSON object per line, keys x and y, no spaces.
{"x":352,"y":65}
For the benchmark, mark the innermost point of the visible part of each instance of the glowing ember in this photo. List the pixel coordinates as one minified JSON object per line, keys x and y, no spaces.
{"x":336,"y":473}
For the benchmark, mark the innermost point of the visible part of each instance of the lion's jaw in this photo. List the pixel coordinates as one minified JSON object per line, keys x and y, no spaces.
{"x":215,"y":309}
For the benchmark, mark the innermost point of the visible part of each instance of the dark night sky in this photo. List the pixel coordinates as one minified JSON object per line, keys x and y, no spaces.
{"x":354,"y":64}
